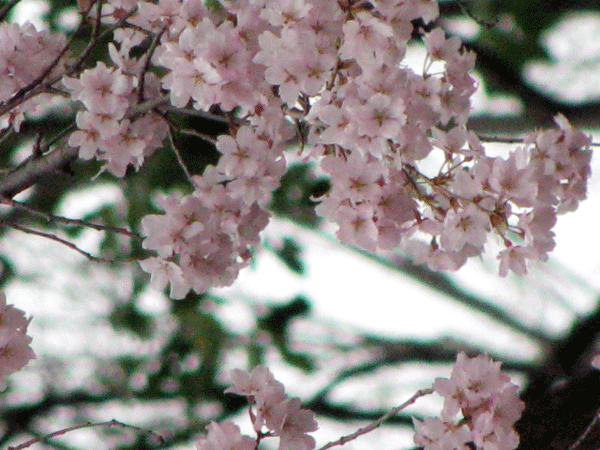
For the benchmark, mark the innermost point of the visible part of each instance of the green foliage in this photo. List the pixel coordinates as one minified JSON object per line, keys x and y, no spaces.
{"x":291,"y":254}
{"x":7,"y":271}
{"x":198,"y":333}
{"x":511,"y":32}
{"x":128,"y":317}
{"x":295,"y":197}
{"x":57,"y":8}
{"x":277,"y":323}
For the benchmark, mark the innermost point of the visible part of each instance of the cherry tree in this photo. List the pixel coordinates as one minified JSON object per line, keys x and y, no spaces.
{"x":227,"y":95}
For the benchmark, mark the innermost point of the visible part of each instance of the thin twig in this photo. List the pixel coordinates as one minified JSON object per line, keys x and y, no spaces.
{"x":63,"y":133}
{"x":197,"y":113}
{"x":188,"y":131}
{"x":204,"y":137}
{"x":146,"y":65}
{"x":178,"y":156}
{"x":53,"y":218}
{"x":500,"y":139}
{"x":111,"y":423}
{"x":57,"y":239}
{"x":94,"y":42}
{"x":142,"y":108}
{"x":378,"y":422}
{"x":581,"y":438}
{"x":512,"y":140}
{"x":98,"y":21}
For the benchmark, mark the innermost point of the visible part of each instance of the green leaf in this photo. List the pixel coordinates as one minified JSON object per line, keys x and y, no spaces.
{"x":295,"y":197}
{"x":290,"y":253}
{"x":7,"y":271}
{"x":277,"y":323}
{"x":128,"y":317}
{"x":205,"y":335}
{"x":280,"y":316}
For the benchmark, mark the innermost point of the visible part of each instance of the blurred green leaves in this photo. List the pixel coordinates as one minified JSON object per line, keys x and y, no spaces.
{"x":296,"y":197}
{"x":290,"y":253}
{"x":128,"y":317}
{"x":277,"y":324}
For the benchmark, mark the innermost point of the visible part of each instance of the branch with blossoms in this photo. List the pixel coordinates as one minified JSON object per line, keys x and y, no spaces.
{"x":480,"y":409}
{"x":477,"y":388}
{"x":333,"y":74}
{"x":372,"y":426}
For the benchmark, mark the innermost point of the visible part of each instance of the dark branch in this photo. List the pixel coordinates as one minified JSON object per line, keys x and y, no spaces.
{"x":34,"y":168}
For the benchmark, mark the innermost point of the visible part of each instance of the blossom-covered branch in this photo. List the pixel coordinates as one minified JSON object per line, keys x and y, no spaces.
{"x":333,"y":73}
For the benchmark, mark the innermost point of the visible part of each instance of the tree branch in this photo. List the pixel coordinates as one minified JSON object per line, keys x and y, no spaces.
{"x":373,"y":425}
{"x":57,"y":239}
{"x":179,"y":157}
{"x":66,"y":220}
{"x":442,"y":283}
{"x":35,"y":168}
{"x":539,"y":107}
{"x":111,"y":423}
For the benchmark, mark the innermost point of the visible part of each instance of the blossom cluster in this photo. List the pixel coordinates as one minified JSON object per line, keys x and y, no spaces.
{"x":270,"y":409}
{"x":25,"y":55}
{"x":107,"y":94}
{"x":372,"y":123}
{"x":516,"y":198}
{"x":15,"y":351}
{"x":333,"y":74}
{"x":204,"y":238}
{"x":481,"y":406}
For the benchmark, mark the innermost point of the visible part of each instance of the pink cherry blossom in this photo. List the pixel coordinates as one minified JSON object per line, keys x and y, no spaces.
{"x":15,"y":351}
{"x":335,"y":72}
{"x":479,"y":399}
{"x":102,"y":90}
{"x":250,"y":384}
{"x":272,"y":408}
{"x":224,"y":436}
{"x":435,"y":434}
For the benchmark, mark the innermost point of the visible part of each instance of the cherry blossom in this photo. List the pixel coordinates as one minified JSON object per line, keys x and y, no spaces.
{"x":336,"y":71}
{"x":15,"y":351}
{"x":270,"y":407}
{"x":435,"y":434}
{"x":224,"y":436}
{"x":487,"y":401}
